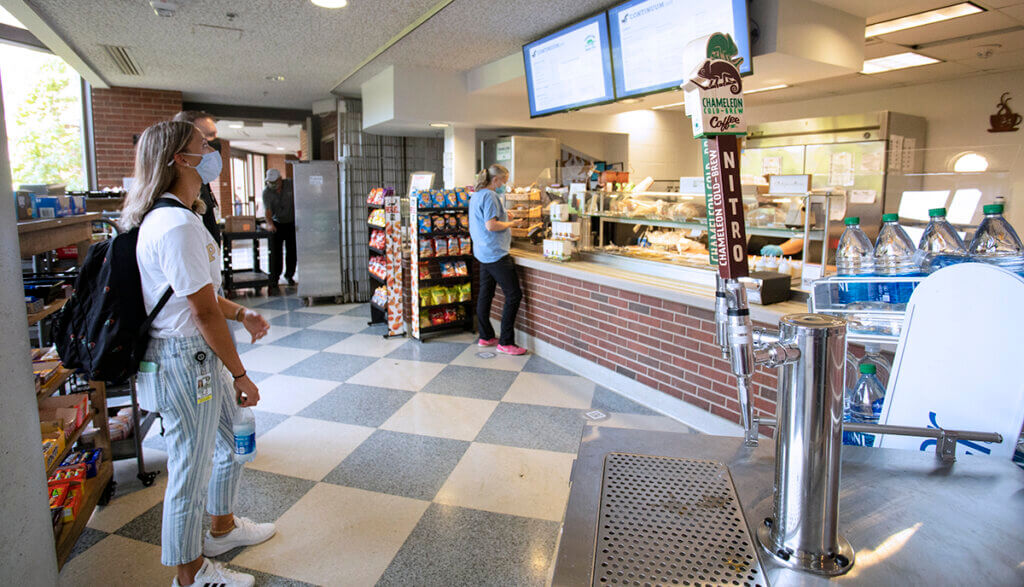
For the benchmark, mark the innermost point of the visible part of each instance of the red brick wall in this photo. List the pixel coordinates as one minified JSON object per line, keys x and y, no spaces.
{"x":278,"y":162}
{"x":118,"y":114}
{"x":664,"y":345}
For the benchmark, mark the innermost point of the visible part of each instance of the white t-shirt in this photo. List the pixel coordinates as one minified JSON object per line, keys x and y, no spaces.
{"x":175,"y":249}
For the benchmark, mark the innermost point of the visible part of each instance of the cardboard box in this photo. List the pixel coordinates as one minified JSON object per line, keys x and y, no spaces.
{"x":45,"y":206}
{"x":23,"y":203}
{"x":72,"y":409}
{"x":240,"y":224}
{"x":555,"y":249}
{"x":565,"y":230}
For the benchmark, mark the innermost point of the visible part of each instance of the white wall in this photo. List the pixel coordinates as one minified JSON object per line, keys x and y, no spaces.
{"x":957,"y":112}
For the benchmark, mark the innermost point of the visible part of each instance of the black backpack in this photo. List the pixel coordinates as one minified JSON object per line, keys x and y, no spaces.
{"x":103,"y":330}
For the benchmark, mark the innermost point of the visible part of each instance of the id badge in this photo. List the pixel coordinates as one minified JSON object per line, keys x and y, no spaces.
{"x":204,"y":382}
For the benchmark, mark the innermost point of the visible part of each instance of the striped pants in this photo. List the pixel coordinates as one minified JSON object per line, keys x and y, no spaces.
{"x":201,"y":471}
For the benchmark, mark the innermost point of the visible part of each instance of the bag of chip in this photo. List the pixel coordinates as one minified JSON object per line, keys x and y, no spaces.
{"x":426,"y":248}
{"x":465,"y":292}
{"x":424,"y":199}
{"x":424,"y":222}
{"x":465,"y":246}
{"x":425,"y":299}
{"x":461,"y":270}
{"x":464,"y":221}
{"x":424,"y":271}
{"x":438,"y":221}
{"x":447,"y":270}
{"x":424,"y":319}
{"x":453,"y":246}
{"x":450,"y":199}
{"x":462,"y":197}
{"x":450,"y":315}
{"x":439,"y":296}
{"x":438,"y":196}
{"x":451,"y":221}
{"x":436,"y":317}
{"x":440,"y":247}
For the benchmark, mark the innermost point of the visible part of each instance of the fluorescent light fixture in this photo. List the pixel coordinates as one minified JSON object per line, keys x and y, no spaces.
{"x":439,"y":124}
{"x":280,"y":148}
{"x":673,"y":105}
{"x":331,"y":3}
{"x":236,"y":125}
{"x":897,"y":61}
{"x":767,"y":89}
{"x":921,"y":19}
{"x":275,"y":78}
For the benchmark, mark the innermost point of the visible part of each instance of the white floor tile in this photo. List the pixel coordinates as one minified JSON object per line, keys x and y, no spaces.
{"x":268,"y":313}
{"x":337,"y":536}
{"x":460,"y":418}
{"x":285,"y":394}
{"x":275,"y":333}
{"x":367,"y":345}
{"x":469,"y":358}
{"x":463,"y":337}
{"x":397,"y":374}
{"x":116,"y":560}
{"x":508,"y":480}
{"x":273,"y":359}
{"x":560,"y":391}
{"x":328,"y":309}
{"x":306,"y":448}
{"x":343,"y":323}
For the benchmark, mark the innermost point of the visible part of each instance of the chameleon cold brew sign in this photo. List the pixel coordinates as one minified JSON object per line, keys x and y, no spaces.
{"x":714,"y":102}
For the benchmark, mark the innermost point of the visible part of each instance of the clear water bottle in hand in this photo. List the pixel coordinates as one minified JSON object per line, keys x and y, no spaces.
{"x":244,"y":428}
{"x":894,"y":257}
{"x":996,"y":242}
{"x":863,"y":405}
{"x":940,"y":244}
{"x":855,"y":256}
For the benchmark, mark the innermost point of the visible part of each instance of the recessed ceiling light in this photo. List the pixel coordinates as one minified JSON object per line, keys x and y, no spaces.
{"x":236,"y":125}
{"x":766,"y":89}
{"x":898,"y":61}
{"x":439,"y":124}
{"x":331,"y":3}
{"x":667,"y":105}
{"x":275,"y":78}
{"x":280,"y":148}
{"x":921,"y":19}
{"x":970,"y":163}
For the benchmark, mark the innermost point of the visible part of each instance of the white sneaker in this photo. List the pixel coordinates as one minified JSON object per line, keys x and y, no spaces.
{"x":246,"y":533}
{"x":212,"y":573}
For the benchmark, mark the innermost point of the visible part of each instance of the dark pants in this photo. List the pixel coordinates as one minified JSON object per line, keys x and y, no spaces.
{"x":502,"y":271}
{"x":284,"y":237}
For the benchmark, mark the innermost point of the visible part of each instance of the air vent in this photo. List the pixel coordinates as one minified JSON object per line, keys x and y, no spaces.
{"x":124,"y":60}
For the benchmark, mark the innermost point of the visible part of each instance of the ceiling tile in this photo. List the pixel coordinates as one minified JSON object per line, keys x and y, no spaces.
{"x":951,"y":29}
{"x":999,"y":61}
{"x":968,"y":50}
{"x":1016,"y":12}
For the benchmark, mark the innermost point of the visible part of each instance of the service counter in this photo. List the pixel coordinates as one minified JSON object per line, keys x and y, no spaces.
{"x":657,"y":332}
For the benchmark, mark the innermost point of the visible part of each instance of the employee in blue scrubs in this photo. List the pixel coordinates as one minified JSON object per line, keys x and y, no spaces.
{"x":492,"y":238}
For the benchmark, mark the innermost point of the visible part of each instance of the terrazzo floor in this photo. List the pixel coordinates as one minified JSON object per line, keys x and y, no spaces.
{"x":382,"y":461}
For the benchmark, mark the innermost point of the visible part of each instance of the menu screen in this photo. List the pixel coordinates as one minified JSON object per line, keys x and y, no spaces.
{"x":648,"y":38}
{"x":569,"y":69}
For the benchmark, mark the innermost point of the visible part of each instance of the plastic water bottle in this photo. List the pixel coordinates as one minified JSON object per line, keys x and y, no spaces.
{"x":244,"y":428}
{"x":996,"y":242}
{"x":863,"y":405}
{"x":873,"y":356}
{"x":940,"y":245}
{"x":894,"y":257}
{"x":855,"y":256}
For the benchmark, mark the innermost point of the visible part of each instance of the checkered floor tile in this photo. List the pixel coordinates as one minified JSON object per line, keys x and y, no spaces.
{"x":382,"y":461}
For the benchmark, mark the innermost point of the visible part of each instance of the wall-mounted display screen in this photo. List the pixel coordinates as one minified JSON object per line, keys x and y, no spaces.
{"x":570,"y":69}
{"x":648,"y":38}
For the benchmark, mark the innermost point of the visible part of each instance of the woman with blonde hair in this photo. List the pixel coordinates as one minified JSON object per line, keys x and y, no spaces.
{"x":492,"y":240}
{"x":194,"y":353}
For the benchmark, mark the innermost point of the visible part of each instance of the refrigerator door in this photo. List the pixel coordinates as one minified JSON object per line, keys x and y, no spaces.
{"x":859,"y":170}
{"x":318,"y":228}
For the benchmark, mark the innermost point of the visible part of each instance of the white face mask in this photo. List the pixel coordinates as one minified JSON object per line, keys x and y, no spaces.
{"x":210,"y":166}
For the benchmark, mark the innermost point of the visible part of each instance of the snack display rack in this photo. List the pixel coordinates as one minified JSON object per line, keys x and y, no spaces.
{"x":378,"y":266}
{"x":442,"y":293}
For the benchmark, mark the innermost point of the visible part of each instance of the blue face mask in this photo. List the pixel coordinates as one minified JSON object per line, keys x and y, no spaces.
{"x":500,"y":190}
{"x":209,"y":167}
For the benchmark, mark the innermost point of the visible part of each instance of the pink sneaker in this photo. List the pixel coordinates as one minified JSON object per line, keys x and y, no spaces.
{"x":487,"y":341}
{"x":511,"y":349}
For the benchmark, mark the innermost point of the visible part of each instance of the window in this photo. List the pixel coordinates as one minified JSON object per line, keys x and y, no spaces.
{"x":43,"y":112}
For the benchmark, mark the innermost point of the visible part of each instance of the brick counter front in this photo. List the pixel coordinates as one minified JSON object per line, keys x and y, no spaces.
{"x":664,"y":345}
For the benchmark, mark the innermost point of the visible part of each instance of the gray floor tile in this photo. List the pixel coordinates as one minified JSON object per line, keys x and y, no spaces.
{"x":282,"y":303}
{"x":330,"y":366}
{"x":313,"y":340}
{"x":491,"y":384}
{"x":145,"y":527}
{"x":539,"y":365}
{"x":358,"y":404}
{"x":409,"y":465}
{"x":459,"y":546}
{"x":297,"y":319}
{"x":242,"y":347}
{"x":360,"y":310}
{"x":610,"y":401}
{"x":430,"y":351}
{"x":268,"y":580}
{"x":530,"y":426}
{"x":86,"y":540}
{"x":267,"y":420}
{"x":378,"y":329}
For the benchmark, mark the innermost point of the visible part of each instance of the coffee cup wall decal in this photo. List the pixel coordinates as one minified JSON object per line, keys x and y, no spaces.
{"x":1005,"y":120}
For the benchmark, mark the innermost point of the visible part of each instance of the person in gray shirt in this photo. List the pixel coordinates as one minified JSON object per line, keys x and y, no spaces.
{"x":279,"y":207}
